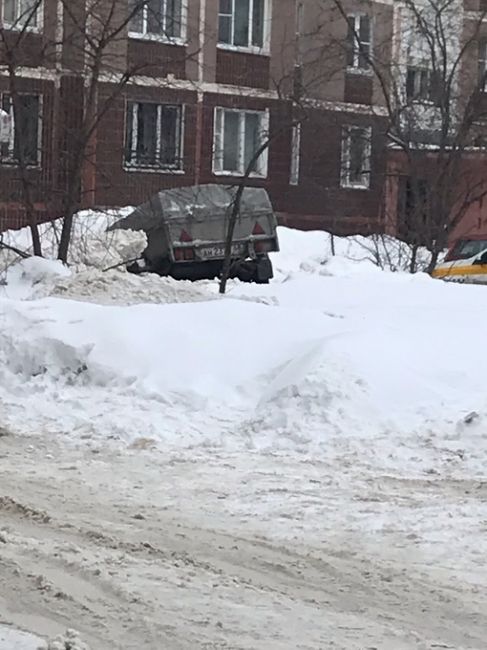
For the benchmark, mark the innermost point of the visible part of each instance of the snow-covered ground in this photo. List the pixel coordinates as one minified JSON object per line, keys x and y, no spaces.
{"x":11,"y":638}
{"x":334,"y":420}
{"x":333,"y":353}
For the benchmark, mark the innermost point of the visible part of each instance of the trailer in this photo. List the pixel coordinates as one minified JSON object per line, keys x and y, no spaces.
{"x":187,"y":229}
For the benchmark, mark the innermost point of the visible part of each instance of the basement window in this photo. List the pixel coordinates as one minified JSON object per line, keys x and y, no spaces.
{"x":156,"y":19}
{"x":153,"y":136}
{"x":22,"y":14}
{"x":242,"y":24}
{"x":23,"y":146}
{"x":356,"y":157}
{"x":238,"y":136}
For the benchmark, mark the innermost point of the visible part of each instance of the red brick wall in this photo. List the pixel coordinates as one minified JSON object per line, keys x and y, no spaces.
{"x":42,"y":177}
{"x":319,"y":200}
{"x":242,"y":69}
{"x":358,"y":88}
{"x":33,"y":49}
{"x":155,"y":59}
{"x":117,"y":186}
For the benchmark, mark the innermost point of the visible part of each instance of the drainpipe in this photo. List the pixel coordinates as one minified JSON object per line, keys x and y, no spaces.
{"x":199,"y":93}
{"x":88,"y":169}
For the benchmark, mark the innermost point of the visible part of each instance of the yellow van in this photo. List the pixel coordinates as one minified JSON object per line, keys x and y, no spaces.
{"x":466,"y":261}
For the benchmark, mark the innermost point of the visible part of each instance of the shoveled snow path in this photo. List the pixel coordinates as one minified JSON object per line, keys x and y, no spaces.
{"x":185,"y":550}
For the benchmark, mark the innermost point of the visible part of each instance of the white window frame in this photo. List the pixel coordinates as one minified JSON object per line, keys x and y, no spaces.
{"x":168,"y":169}
{"x":163,"y":37}
{"x":345,"y":181}
{"x":18,"y":26}
{"x":354,"y":67}
{"x":10,"y":159}
{"x":295,"y":154}
{"x":218,"y":143}
{"x":299,"y":32}
{"x":482,"y":61}
{"x":266,"y":37}
{"x":419,"y":70}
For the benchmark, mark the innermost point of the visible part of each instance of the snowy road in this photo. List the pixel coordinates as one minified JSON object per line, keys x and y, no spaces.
{"x":186,"y":550}
{"x":294,"y":466}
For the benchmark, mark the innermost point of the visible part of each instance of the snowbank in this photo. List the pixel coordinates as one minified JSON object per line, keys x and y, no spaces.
{"x":114,"y":287}
{"x":92,"y":245}
{"x":89,"y":276}
{"x":309,"y":252}
{"x":333,"y":352}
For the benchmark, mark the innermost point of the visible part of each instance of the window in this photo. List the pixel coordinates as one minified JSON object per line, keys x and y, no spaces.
{"x":23,"y":144}
{"x":356,"y":148}
{"x":241,"y":23}
{"x":156,"y":18}
{"x":238,"y":137}
{"x":422,"y":85}
{"x":418,"y":84}
{"x":295,"y":154}
{"x":153,"y":138}
{"x":483,"y":65}
{"x":359,"y":42}
{"x":22,"y":14}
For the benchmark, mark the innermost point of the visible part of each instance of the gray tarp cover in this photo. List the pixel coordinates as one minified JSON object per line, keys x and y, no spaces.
{"x":197,"y":201}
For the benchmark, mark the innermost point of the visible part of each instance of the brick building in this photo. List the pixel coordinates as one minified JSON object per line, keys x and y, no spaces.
{"x":204,"y":82}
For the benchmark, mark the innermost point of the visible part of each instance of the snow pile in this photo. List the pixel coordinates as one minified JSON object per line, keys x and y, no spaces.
{"x":93,"y":251}
{"x":119,"y":287}
{"x":34,"y":274}
{"x":69,"y":641}
{"x":316,"y":252}
{"x":115,"y":287}
{"x":334,"y":353}
{"x":91,"y":244}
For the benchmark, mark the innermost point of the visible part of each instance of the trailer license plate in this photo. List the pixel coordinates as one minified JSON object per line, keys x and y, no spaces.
{"x":219,"y":251}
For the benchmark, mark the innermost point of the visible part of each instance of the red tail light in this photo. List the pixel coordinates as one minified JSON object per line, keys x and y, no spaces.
{"x":258,"y":230}
{"x":183,"y":254}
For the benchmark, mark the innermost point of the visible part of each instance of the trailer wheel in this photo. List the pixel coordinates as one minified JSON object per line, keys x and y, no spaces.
{"x":246,"y":271}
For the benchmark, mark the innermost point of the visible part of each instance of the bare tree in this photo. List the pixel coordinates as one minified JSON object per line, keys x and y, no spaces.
{"x":21,"y":147}
{"x":95,"y":36}
{"x":90,"y":52}
{"x":433,"y":86}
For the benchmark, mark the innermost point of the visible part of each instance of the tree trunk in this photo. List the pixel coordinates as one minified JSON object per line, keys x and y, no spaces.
{"x":434,"y":259}
{"x":227,"y":264}
{"x":229,"y":240}
{"x":65,"y":239}
{"x":36,"y":239}
{"x":414,"y":259}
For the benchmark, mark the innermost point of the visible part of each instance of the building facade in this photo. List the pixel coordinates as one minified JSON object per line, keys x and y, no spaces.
{"x":187,"y":92}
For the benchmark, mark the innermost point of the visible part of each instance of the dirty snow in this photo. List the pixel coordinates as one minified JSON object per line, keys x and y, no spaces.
{"x":298,"y":465}
{"x":13,"y":639}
